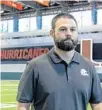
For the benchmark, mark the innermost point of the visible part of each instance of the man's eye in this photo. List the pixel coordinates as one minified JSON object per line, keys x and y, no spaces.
{"x":72,"y":29}
{"x":62,"y":29}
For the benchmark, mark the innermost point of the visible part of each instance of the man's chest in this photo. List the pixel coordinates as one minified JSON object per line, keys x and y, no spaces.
{"x":60,"y":77}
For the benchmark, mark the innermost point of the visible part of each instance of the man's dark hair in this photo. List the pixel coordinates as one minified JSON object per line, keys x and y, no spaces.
{"x":61,"y":15}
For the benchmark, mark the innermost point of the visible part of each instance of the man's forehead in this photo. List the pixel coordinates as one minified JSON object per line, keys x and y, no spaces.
{"x":65,"y":17}
{"x":65,"y":20}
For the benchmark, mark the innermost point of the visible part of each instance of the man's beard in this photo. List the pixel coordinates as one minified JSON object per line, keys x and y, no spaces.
{"x":67,"y":44}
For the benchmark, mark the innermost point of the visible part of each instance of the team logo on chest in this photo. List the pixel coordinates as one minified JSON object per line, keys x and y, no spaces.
{"x":84,"y":72}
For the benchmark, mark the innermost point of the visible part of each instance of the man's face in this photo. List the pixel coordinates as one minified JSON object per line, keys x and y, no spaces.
{"x":65,"y":34}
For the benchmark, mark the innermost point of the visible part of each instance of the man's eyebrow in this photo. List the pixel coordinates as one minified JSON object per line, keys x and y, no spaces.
{"x":63,"y":27}
{"x":73,"y":27}
{"x":66,"y":27}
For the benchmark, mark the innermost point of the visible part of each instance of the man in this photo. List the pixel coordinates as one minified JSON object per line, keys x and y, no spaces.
{"x":61,"y":79}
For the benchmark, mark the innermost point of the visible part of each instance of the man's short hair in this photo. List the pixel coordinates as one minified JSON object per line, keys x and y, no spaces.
{"x":61,"y":15}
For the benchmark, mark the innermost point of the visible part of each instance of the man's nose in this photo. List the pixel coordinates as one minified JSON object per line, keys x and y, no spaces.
{"x":68,"y":32}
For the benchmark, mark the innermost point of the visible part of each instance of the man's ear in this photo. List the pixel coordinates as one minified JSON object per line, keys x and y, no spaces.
{"x":52,"y":33}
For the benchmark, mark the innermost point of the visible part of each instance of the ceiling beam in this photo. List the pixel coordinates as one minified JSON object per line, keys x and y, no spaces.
{"x":32,"y":4}
{"x":51,"y":10}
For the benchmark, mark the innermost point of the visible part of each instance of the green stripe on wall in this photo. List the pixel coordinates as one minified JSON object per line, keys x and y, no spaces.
{"x":10,"y":75}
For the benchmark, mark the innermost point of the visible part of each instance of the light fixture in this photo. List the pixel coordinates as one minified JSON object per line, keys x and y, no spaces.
{"x":1,"y":11}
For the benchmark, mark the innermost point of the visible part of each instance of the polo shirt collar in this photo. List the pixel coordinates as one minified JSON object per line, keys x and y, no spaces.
{"x":76,"y":57}
{"x":57,"y":59}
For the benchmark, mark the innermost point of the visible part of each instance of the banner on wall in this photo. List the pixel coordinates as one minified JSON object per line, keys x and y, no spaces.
{"x":26,"y":53}
{"x":86,"y":48}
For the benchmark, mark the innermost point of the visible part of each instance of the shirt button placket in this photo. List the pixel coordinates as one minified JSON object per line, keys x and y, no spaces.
{"x":69,"y":73}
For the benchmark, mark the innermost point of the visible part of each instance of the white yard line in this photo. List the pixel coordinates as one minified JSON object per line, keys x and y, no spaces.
{"x":5,"y":105}
{"x":10,"y":89}
{"x":10,"y":102}
{"x":9,"y":94}
{"x":9,"y":85}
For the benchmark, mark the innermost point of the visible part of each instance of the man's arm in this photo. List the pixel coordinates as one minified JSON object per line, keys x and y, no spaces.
{"x":96,"y":106}
{"x":23,"y":106}
{"x":96,"y":91}
{"x":26,"y":89}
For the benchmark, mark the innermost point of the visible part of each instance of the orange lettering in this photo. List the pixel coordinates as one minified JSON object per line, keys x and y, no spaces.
{"x":41,"y":51}
{"x":30,"y":53}
{"x":16,"y":54}
{"x":11,"y":54}
{"x":25,"y":53}
{"x":6,"y":54}
{"x":35,"y":52}
{"x":20,"y":53}
{"x":46,"y":50}
{"x":2,"y":54}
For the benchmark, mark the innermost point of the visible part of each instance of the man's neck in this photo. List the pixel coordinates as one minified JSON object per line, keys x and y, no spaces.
{"x":65,"y":55}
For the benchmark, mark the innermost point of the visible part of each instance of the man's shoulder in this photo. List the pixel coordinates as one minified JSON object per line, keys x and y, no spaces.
{"x":39,"y":59}
{"x":85,"y":60}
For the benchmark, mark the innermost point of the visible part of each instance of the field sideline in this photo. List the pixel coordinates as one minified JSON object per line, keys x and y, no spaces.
{"x":8,"y":95}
